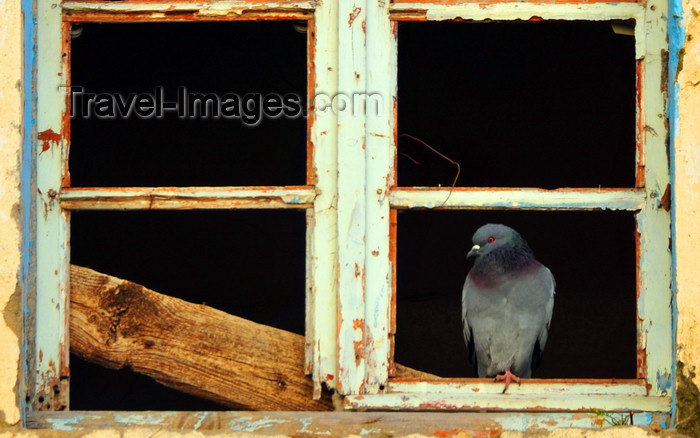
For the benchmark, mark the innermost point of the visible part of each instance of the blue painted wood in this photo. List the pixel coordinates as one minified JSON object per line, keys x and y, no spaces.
{"x":28,"y":189}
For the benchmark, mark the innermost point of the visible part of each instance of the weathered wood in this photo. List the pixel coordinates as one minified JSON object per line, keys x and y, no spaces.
{"x":190,"y":347}
{"x":355,"y":424}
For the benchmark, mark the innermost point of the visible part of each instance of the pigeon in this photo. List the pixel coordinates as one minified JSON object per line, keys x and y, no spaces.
{"x":507,"y":303}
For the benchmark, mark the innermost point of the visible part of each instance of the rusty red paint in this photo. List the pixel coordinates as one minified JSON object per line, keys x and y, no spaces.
{"x":534,"y":382}
{"x":48,"y":136}
{"x":393,"y":214}
{"x":358,"y":323}
{"x":472,"y":433}
{"x":329,"y":377}
{"x":65,"y":66}
{"x":441,"y":405}
{"x":446,"y":433}
{"x":414,"y":15}
{"x":375,"y":252}
{"x":339,"y":324}
{"x":639,"y":175}
{"x":666,"y":198}
{"x":641,"y":349}
{"x":516,"y":189}
{"x":311,"y":171}
{"x":257,"y":13}
{"x":176,"y":190}
{"x":353,"y":15}
{"x":641,"y":362}
{"x":359,"y":347}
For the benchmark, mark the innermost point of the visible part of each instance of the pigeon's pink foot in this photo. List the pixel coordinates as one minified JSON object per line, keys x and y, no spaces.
{"x":507,"y":377}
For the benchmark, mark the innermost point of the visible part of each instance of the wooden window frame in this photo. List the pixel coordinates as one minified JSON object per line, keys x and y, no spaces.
{"x":48,"y":330}
{"x":351,"y":200}
{"x":367,"y":304}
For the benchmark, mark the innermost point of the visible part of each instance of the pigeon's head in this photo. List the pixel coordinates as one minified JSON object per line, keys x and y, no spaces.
{"x":490,"y":237}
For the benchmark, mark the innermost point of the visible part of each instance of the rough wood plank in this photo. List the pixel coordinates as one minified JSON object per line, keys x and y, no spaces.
{"x":190,"y":347}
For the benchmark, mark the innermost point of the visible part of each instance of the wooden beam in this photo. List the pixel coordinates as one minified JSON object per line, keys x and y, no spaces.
{"x":191,"y":347}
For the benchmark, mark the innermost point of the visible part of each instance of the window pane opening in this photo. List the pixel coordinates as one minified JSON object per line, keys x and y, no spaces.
{"x":591,"y":255}
{"x":527,"y":104}
{"x":233,"y":67}
{"x":246,"y":263}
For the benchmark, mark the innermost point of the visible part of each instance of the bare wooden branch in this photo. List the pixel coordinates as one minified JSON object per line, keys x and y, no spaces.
{"x":190,"y":347}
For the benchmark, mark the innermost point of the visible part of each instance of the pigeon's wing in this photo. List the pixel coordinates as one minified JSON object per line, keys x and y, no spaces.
{"x":549,"y":284}
{"x":466,"y":328}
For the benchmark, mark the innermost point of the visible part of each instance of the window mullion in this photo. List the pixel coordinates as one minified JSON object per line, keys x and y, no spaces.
{"x":351,"y":196}
{"x":321,"y":329}
{"x":381,"y":82}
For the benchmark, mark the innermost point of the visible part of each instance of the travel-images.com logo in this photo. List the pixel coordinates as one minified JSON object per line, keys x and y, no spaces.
{"x":249,"y":108}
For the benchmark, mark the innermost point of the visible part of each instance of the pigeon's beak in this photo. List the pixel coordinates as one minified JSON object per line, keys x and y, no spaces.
{"x":474,"y":251}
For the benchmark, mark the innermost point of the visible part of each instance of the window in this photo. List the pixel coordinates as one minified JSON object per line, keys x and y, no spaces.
{"x":127,"y":185}
{"x":599,"y":170}
{"x":638,"y":190}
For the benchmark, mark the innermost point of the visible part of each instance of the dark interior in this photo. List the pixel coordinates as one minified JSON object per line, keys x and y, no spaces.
{"x":528,"y":104}
{"x":547,"y":104}
{"x":590,"y":254}
{"x":219,"y":58}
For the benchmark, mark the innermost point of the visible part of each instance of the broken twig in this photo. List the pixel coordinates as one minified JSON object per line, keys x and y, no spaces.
{"x":454,"y":183}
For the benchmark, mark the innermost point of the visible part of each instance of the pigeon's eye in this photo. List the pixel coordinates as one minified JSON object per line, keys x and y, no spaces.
{"x":491,"y":239}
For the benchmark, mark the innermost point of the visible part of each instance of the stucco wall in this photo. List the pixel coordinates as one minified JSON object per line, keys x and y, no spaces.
{"x":687,"y":181}
{"x":687,"y":213}
{"x":10,"y":146}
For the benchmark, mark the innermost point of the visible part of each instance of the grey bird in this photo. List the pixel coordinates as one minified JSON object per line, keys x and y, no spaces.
{"x":507,"y":303}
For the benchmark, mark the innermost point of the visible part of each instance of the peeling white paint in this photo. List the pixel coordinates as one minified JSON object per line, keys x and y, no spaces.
{"x":322,"y":252}
{"x":528,"y":199}
{"x":186,"y":197}
{"x":142,"y":419}
{"x":211,"y":8}
{"x":529,"y":386}
{"x":66,"y":423}
{"x":381,"y":72}
{"x":51,"y":336}
{"x":507,"y":402}
{"x":352,"y":16}
{"x":306,"y":423}
{"x":247,"y":424}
